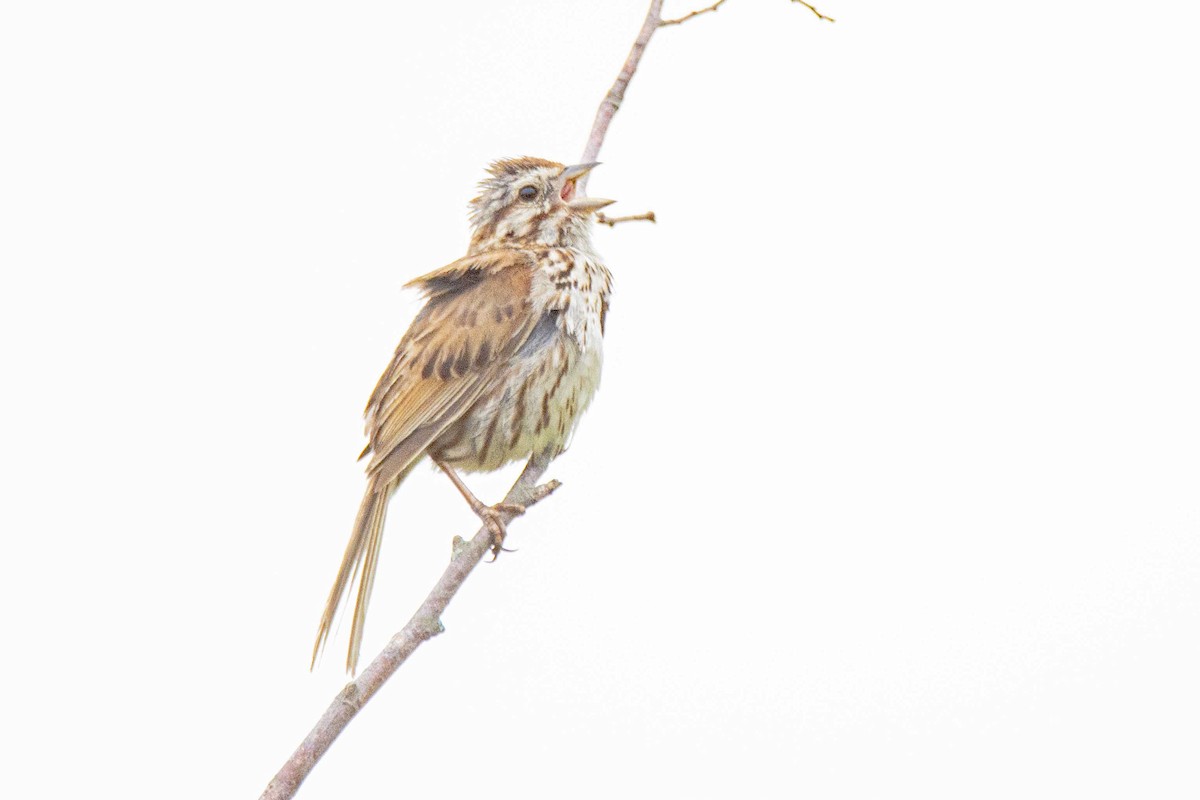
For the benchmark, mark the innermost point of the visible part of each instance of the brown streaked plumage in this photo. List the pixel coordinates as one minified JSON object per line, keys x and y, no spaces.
{"x":500,"y":363}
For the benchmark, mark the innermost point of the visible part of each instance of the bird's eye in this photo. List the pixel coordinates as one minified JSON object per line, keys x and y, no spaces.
{"x":527,"y":192}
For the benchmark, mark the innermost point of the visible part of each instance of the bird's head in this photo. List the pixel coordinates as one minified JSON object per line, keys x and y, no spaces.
{"x":526,"y":201}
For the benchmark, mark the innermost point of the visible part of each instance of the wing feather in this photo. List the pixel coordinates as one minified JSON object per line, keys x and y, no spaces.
{"x":478,"y":313}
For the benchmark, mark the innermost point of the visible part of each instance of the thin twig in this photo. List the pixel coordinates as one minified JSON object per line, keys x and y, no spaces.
{"x":610,"y":221}
{"x":612,"y":100}
{"x":688,"y":16}
{"x":813,"y":9}
{"x":424,"y":625}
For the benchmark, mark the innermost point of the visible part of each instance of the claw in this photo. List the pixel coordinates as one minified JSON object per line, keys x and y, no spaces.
{"x":493,"y":519}
{"x":496,"y":551}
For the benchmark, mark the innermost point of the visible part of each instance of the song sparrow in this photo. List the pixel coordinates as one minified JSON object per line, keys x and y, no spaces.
{"x":500,"y":363}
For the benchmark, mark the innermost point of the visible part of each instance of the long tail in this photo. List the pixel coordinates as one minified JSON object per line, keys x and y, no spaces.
{"x":360,"y":560}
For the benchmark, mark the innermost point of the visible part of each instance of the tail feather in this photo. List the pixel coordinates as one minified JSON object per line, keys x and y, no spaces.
{"x":370,"y":560}
{"x":359,"y":562}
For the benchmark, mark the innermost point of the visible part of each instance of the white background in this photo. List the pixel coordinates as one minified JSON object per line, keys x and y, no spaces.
{"x":890,"y":489}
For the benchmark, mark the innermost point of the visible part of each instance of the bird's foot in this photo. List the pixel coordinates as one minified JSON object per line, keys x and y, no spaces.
{"x":493,"y":518}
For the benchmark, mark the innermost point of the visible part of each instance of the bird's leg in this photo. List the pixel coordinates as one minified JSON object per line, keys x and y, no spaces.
{"x":492,"y":516}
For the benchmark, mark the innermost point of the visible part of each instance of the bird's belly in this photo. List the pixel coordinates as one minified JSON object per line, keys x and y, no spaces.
{"x":537,"y":405}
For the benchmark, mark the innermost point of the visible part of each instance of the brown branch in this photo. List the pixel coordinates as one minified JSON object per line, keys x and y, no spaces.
{"x":612,"y":100}
{"x":813,"y":9}
{"x":616,"y":94}
{"x":719,"y":3}
{"x":424,"y":625}
{"x":686,"y":17}
{"x":611,"y":221}
{"x":426,"y":622}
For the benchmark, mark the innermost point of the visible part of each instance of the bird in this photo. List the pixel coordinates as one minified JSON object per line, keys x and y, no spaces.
{"x":499,"y":363}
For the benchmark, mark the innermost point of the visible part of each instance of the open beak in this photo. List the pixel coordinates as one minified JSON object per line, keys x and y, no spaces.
{"x":590,"y":203}
{"x":576,"y":171}
{"x":571,"y":176}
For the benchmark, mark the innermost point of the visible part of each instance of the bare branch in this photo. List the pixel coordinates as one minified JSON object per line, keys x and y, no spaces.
{"x":813,"y":9}
{"x":426,"y":622}
{"x":424,"y":625}
{"x":612,"y":100}
{"x":611,"y":221}
{"x":686,"y":17}
{"x":616,"y":94}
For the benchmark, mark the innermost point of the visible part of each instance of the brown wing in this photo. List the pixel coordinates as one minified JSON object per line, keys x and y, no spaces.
{"x":478,"y":314}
